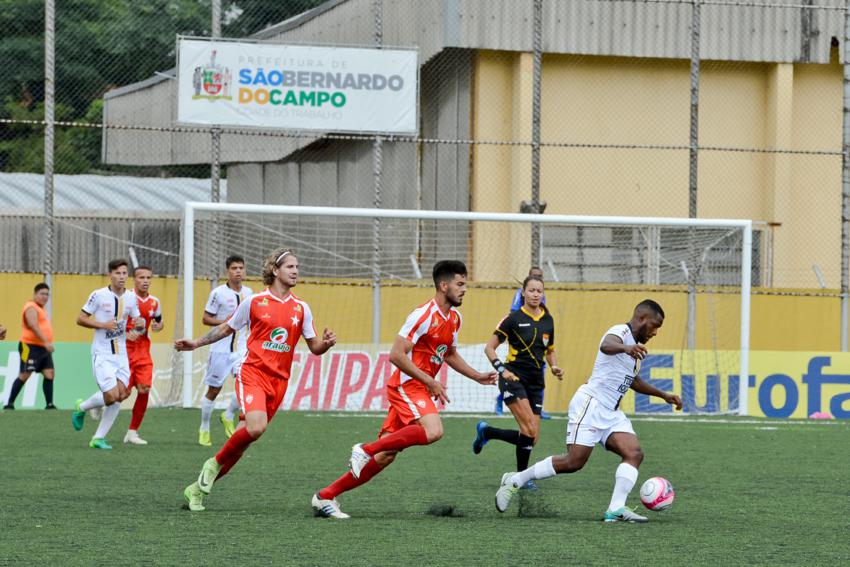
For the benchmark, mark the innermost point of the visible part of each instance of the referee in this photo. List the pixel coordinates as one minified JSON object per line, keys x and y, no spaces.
{"x":530,"y":333}
{"x":36,"y":346}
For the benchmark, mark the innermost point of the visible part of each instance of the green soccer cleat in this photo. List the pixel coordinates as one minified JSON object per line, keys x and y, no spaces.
{"x":209,"y":472}
{"x":99,"y":443}
{"x":194,"y":497}
{"x":78,"y":417}
{"x":229,"y":425}
{"x":624,"y":515}
{"x":204,"y":438}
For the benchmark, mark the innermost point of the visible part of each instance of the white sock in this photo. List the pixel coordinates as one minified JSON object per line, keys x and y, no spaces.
{"x":232,"y":408}
{"x":95,"y":401}
{"x":624,"y":480}
{"x":206,"y":412}
{"x":107,"y":419}
{"x":539,"y":470}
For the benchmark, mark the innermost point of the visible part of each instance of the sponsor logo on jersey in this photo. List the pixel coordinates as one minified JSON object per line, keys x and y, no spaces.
{"x":297,"y":307}
{"x":277,"y":340}
{"x":249,"y":398}
{"x":421,"y":403}
{"x":439,"y":354}
{"x":264,"y":302}
{"x":523,"y":324}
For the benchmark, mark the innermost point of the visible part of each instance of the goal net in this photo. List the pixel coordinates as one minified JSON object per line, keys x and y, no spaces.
{"x":363,"y":271}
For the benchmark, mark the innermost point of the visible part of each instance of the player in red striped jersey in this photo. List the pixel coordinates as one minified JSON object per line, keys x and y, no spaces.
{"x":426,"y":340}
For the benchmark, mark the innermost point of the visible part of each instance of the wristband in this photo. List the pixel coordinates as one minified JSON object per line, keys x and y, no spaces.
{"x":498,"y":365}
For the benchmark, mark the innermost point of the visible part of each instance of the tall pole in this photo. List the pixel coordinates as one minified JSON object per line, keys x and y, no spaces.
{"x":845,"y":183}
{"x":377,"y":168}
{"x":537,"y":47}
{"x":49,"y":100}
{"x":693,"y":268}
{"x":215,"y":160}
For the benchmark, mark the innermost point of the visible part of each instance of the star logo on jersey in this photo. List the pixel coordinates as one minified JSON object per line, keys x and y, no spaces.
{"x":295,"y":320}
{"x":439,"y":354}
{"x":277,"y":340}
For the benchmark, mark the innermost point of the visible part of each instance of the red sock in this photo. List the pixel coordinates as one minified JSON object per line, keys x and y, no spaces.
{"x":403,"y":438}
{"x":347,"y":481}
{"x":232,"y":450}
{"x":139,"y":409}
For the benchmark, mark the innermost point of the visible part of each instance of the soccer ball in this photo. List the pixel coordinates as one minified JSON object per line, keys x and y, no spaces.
{"x":657,"y":494}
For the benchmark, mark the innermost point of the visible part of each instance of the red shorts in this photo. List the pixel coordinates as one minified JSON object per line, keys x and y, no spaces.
{"x":141,"y":372}
{"x":408,"y":402}
{"x":258,"y":391}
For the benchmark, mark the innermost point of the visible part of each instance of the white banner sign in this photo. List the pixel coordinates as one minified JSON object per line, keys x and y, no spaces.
{"x":297,"y":87}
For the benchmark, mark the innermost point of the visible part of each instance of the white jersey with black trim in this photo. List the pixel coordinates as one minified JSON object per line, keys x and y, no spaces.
{"x":105,"y":306}
{"x":221,"y":304}
{"x":612,"y":374}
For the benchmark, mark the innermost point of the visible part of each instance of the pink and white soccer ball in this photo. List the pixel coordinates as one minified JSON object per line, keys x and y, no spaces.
{"x":657,"y":494}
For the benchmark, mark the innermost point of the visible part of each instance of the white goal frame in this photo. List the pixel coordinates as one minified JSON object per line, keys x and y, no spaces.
{"x":188,"y":235}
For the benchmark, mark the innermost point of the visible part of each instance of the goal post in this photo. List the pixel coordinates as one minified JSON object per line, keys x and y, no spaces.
{"x":595,"y":265}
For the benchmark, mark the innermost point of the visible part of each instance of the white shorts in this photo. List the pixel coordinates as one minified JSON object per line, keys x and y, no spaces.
{"x":589,"y":422}
{"x":109,"y":368}
{"x":220,"y":366}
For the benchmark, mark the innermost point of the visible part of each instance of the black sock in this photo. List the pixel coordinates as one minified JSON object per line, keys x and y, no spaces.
{"x":16,"y":388}
{"x":523,"y":451}
{"x":47,"y":388}
{"x":507,"y":435}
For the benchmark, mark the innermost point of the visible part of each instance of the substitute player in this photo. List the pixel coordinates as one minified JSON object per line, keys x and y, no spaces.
{"x":107,"y":311}
{"x":36,"y":346}
{"x":139,"y":351}
{"x":595,"y":417}
{"x":225,"y":355}
{"x":426,"y":340}
{"x":530,"y":332}
{"x":275,"y":320}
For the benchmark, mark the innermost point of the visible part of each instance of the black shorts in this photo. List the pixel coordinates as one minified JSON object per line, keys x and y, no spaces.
{"x":34,"y":358}
{"x":512,"y":391}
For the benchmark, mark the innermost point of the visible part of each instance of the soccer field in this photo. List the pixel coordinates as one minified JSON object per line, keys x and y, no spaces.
{"x":749,"y":492}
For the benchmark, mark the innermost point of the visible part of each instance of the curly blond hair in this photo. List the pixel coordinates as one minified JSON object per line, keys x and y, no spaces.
{"x":272,"y":262}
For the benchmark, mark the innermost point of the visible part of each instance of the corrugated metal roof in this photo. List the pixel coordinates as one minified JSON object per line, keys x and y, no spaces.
{"x":104,"y":193}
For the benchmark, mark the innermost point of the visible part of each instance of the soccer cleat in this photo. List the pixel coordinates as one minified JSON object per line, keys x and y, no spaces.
{"x":78,"y":417}
{"x":48,"y":406}
{"x":194,"y":497}
{"x":209,"y":472}
{"x":204,"y":438}
{"x":328,"y":508}
{"x":530,"y":486}
{"x":359,"y":459}
{"x":624,"y":515}
{"x":133,"y":438}
{"x":229,"y":425}
{"x":8,"y":407}
{"x":505,"y":492}
{"x":100,"y":443}
{"x":480,"y":441}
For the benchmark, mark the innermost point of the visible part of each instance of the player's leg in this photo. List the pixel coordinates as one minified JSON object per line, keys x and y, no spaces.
{"x":499,"y":410}
{"x":217,"y":369}
{"x":509,"y":392}
{"x":96,"y":401}
{"x":141,"y":378}
{"x":625,"y":444}
{"x":529,"y":426}
{"x":26,"y":370}
{"x":48,"y":375}
{"x":229,"y":416}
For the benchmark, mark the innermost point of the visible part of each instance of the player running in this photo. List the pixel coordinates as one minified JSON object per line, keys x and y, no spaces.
{"x":427,"y":339}
{"x":225,"y":355}
{"x":107,"y":311}
{"x":275,"y":320}
{"x":595,"y":417}
{"x":139,"y":351}
{"x":530,"y":332}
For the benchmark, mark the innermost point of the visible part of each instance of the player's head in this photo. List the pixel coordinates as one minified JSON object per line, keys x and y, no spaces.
{"x":142,"y":276}
{"x":532,"y":291}
{"x":118,"y":272}
{"x":41,"y":293}
{"x":450,"y":280}
{"x":235,"y":266}
{"x":646,"y":320}
{"x":536,"y":271}
{"x":282,"y":266}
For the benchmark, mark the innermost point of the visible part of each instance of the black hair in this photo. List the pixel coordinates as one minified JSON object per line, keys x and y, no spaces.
{"x":137,"y":268}
{"x":40,"y":286}
{"x":652,"y":306}
{"x":446,"y":270}
{"x":531,"y":279}
{"x":117,"y":263}
{"x":232,"y":259}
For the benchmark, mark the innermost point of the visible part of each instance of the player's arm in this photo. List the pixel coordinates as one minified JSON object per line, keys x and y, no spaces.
{"x":156,"y":321}
{"x":497,"y":338}
{"x":458,"y":364}
{"x":552,"y":361}
{"x":320,"y":346}
{"x":85,"y":319}
{"x":612,"y":344}
{"x":400,"y":359}
{"x":642,"y":386}
{"x":210,"y":321}
{"x":31,"y":321}
{"x":215,"y":334}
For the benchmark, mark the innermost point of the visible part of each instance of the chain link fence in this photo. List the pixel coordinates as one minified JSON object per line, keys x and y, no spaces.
{"x":707,"y":108}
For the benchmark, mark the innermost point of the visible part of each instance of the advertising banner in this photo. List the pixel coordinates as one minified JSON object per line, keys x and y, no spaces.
{"x":297,"y":87}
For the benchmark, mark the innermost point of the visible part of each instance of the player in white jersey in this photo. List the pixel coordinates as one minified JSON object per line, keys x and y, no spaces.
{"x":595,"y":417}
{"x":107,"y":311}
{"x":225,"y":355}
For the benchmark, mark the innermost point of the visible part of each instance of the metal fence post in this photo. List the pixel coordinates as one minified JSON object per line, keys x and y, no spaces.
{"x":377,"y":165}
{"x":693,"y":144}
{"x":845,"y":182}
{"x":537,"y":47}
{"x":49,"y":99}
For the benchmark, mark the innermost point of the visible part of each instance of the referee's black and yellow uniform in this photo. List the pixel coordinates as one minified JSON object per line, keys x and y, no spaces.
{"x":529,"y":339}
